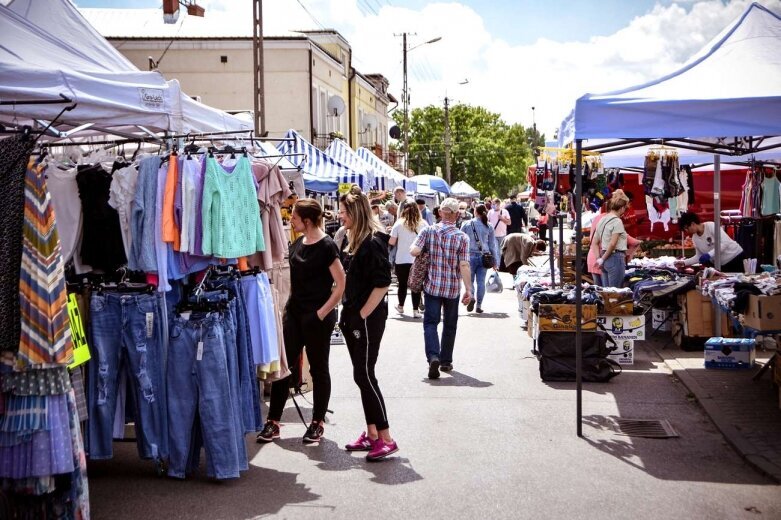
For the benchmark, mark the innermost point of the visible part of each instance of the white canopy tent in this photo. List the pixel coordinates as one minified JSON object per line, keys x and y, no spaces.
{"x":463,"y":189}
{"x":49,"y":50}
{"x":729,"y":90}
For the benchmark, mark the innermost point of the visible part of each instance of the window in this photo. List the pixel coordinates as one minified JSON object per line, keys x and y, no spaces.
{"x":323,"y":125}
{"x":315,"y":105}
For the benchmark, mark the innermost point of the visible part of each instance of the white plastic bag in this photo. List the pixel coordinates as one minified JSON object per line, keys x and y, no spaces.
{"x":494,"y":282}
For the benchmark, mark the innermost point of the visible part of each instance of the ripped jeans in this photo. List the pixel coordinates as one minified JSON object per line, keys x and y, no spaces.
{"x":126,"y":334}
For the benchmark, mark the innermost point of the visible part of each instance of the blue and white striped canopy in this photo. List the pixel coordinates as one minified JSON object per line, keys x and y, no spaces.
{"x":319,"y":164}
{"x":384,"y":169}
{"x":340,"y":151}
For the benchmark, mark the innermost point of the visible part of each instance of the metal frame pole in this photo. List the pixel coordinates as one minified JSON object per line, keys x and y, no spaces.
{"x":578,"y":281}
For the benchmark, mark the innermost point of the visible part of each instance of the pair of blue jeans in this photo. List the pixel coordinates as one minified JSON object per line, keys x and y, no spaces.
{"x":478,"y":273}
{"x":614,"y":269}
{"x":249,"y":393}
{"x":435,"y":305}
{"x":126,"y":335}
{"x":199,"y":385}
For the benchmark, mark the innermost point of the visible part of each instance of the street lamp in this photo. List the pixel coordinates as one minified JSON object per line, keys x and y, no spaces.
{"x":405,"y":96}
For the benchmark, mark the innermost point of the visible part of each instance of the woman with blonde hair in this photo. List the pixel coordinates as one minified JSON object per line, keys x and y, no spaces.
{"x":363,"y":317}
{"x":403,"y":235}
{"x":612,"y":240}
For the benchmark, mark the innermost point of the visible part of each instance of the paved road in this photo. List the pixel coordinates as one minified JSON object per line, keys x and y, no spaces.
{"x":489,"y":441}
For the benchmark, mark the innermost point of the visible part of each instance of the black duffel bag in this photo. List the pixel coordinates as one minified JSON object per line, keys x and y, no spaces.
{"x":595,"y":370}
{"x":562,"y":344}
{"x":556,"y":351}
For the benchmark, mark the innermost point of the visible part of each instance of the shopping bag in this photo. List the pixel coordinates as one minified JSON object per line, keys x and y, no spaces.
{"x":494,"y":282}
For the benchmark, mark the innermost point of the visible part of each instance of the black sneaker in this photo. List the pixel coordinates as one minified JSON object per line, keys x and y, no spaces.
{"x":433,"y":369}
{"x":471,"y":305}
{"x":314,"y":433}
{"x":479,"y":310}
{"x":269,"y":432}
{"x":446,"y":367}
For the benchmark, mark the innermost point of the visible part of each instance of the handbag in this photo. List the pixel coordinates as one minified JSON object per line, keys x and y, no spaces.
{"x":418,"y":273}
{"x":485,"y":256}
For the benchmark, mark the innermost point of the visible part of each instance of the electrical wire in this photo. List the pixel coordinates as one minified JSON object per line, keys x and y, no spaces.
{"x":301,"y":3}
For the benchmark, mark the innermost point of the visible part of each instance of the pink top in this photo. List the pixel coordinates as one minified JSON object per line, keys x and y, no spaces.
{"x":593,"y":250}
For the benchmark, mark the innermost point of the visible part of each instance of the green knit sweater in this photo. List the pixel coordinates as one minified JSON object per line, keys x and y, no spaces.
{"x":230,"y":211}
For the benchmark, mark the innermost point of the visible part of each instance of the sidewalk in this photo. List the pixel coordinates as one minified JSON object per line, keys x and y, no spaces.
{"x":746,"y":412}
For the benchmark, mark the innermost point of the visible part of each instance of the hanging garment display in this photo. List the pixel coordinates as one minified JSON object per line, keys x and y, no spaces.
{"x":101,"y":246}
{"x":14,"y":154}
{"x":231,"y":215}
{"x":771,"y":194}
{"x":45,"y":338}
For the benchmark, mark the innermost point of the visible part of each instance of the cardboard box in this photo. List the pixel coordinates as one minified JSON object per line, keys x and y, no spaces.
{"x":697,"y":314}
{"x":615,"y":303}
{"x":622,"y":328}
{"x":625,"y":353}
{"x":731,"y":353}
{"x":764,"y":312}
{"x":562,"y":317}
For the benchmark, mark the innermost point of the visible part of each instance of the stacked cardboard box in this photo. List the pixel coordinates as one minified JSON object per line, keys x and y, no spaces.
{"x":763,"y":313}
{"x":624,"y":331}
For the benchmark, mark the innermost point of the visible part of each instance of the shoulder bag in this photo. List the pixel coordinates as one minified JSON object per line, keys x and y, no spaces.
{"x":418,"y":273}
{"x":485,"y":256}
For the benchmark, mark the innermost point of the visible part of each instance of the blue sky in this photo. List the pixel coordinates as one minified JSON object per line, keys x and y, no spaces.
{"x":514,"y":21}
{"x":515,"y":53}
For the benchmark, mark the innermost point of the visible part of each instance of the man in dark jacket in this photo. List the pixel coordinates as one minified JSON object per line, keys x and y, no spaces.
{"x":518,"y":217}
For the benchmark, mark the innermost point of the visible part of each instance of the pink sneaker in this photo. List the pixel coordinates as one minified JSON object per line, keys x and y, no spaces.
{"x":381,"y":449}
{"x":362,"y":443}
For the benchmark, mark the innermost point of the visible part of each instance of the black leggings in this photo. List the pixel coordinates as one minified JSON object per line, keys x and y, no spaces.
{"x":363,"y":339}
{"x":305,"y":330}
{"x":402,"y":274}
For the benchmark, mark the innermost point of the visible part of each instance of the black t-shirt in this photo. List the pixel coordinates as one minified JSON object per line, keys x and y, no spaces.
{"x":310,"y":276}
{"x":517,"y":217}
{"x":367,"y":269}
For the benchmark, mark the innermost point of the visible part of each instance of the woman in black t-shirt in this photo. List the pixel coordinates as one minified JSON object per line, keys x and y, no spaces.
{"x":363,"y":318}
{"x":310,"y":316}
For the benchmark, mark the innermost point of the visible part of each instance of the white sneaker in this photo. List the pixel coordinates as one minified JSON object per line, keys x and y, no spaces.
{"x":400,"y":309}
{"x":416,"y":313}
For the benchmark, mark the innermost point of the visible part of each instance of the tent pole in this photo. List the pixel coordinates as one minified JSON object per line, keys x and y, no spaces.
{"x":717,"y":232}
{"x":578,"y":280}
{"x":551,"y":251}
{"x":560,"y":221}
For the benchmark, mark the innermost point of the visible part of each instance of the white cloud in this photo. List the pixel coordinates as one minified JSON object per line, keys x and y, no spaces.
{"x":548,"y":74}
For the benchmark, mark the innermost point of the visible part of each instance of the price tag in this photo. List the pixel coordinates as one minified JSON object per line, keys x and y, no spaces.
{"x":199,"y":353}
{"x":344,"y":187}
{"x":150,"y":324}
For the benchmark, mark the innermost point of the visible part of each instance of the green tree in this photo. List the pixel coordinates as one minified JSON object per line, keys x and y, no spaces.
{"x":486,"y":152}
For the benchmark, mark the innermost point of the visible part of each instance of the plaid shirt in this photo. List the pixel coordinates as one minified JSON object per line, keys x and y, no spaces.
{"x":447,"y":247}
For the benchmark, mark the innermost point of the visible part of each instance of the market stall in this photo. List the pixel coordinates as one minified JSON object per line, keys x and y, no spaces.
{"x":115,"y":228}
{"x":688,"y":103}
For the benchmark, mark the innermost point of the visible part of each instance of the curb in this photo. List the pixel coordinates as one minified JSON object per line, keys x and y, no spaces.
{"x":733,"y":436}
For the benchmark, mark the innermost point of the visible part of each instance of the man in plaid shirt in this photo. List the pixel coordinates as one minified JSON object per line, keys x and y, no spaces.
{"x":448,"y":250}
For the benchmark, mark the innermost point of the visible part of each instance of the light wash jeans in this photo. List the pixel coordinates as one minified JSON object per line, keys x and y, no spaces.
{"x":478,"y":273}
{"x":613,"y":270}
{"x":126,"y":335}
{"x":202,"y":386}
{"x":435,"y":305}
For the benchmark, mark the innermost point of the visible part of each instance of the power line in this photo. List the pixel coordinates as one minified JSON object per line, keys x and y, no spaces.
{"x":310,"y":14}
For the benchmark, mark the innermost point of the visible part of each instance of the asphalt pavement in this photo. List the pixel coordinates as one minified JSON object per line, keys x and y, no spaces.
{"x":489,"y":440}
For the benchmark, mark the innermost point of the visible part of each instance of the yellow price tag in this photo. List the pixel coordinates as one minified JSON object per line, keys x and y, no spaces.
{"x":344,"y":187}
{"x":81,"y":352}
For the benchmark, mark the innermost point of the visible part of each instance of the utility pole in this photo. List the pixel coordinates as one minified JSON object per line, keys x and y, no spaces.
{"x":405,"y":97}
{"x":447,"y":140}
{"x":257,"y":55}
